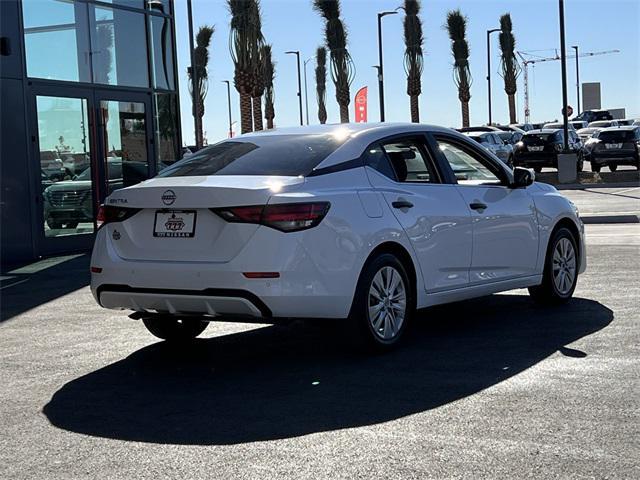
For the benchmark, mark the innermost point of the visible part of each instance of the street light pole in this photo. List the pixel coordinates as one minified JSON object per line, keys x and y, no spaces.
{"x":575,"y":47}
{"x":229,"y":105}
{"x":194,"y":74}
{"x":563,"y":61}
{"x":380,"y":67}
{"x":489,"y":32}
{"x":306,"y":95}
{"x":297,"y":54}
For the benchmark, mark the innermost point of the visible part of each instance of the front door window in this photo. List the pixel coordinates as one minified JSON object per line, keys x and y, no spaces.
{"x":65,"y":167}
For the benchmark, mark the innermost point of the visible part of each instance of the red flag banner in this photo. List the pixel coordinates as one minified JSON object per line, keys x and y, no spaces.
{"x":361,"y":105}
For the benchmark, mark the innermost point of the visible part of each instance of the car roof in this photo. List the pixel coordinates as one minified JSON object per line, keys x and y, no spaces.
{"x":543,"y":130}
{"x":358,"y":136}
{"x":624,"y":128}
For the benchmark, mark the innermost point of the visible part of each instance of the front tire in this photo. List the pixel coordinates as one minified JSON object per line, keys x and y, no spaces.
{"x":383,"y":305}
{"x":595,"y":168}
{"x":560,"y":270}
{"x":174,"y":329}
{"x":537,"y":169}
{"x":613,"y":168}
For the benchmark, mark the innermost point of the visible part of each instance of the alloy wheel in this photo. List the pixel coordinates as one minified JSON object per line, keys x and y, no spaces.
{"x":564,"y":266}
{"x":387,"y":303}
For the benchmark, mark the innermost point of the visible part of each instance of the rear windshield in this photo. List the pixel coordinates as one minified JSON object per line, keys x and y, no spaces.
{"x":541,"y":137}
{"x":282,"y":155}
{"x":619,"y":136}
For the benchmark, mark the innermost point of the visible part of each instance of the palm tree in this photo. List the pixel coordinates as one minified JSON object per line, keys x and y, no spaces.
{"x":244,"y":40}
{"x":201,"y":53}
{"x":269,"y":72}
{"x":509,"y":65}
{"x":457,"y":26}
{"x":258,"y":68}
{"x":342,"y":69}
{"x":321,"y":83}
{"x":413,"y":41}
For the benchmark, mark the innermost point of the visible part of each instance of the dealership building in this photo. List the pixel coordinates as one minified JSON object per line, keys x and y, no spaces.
{"x":89,"y":104}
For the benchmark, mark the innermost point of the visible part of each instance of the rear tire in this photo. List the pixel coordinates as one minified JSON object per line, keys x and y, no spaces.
{"x":537,"y":169}
{"x":613,"y":168}
{"x":595,"y":168}
{"x":383,"y":305}
{"x":174,"y":329}
{"x":560,"y":270}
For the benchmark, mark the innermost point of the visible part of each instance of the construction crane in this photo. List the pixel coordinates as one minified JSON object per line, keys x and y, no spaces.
{"x":532,"y":61}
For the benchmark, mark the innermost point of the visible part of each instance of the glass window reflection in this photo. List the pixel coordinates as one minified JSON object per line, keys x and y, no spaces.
{"x":166,"y":113}
{"x":162,"y":52}
{"x":119,"y":47}
{"x":56,"y":40}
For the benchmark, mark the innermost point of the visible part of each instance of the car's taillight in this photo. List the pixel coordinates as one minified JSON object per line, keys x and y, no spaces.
{"x":109,"y":213}
{"x":286,"y":217}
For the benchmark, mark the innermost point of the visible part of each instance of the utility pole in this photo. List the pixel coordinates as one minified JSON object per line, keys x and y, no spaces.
{"x":195,"y":98}
{"x":297,"y":54}
{"x":489,"y":32}
{"x":380,"y":67}
{"x":563,"y":62}
{"x":575,"y":47}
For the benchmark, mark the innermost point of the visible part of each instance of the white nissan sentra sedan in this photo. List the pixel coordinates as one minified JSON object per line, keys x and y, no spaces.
{"x":365,"y":223}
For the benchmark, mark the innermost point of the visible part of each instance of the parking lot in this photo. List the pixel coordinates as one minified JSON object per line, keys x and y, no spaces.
{"x":495,"y":387}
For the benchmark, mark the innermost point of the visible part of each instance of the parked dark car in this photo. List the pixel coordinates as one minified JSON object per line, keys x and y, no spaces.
{"x":594,"y":115}
{"x":614,"y":146}
{"x":540,"y":148}
{"x":70,"y":202}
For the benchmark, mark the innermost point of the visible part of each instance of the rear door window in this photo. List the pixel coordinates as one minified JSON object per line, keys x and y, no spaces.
{"x":281,"y":155}
{"x":410,"y":161}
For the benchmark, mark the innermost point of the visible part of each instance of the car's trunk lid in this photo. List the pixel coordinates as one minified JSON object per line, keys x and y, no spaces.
{"x":175,"y":222}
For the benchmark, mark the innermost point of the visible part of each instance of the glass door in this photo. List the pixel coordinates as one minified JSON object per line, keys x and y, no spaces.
{"x":64,"y":169}
{"x":125,"y":141}
{"x":86,"y":144}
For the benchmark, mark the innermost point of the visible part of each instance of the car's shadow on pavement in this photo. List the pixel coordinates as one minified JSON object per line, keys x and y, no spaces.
{"x":280,"y":382}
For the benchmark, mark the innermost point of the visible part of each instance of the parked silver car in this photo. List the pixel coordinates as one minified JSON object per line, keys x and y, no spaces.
{"x":492,"y":142}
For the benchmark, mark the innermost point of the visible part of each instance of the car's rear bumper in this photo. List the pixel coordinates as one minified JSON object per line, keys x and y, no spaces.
{"x":625,"y":157}
{"x":211,"y":302}
{"x":535,"y":160}
{"x":304,"y":288}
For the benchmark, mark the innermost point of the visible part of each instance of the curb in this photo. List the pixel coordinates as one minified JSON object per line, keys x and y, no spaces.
{"x":608,"y":219}
{"x":584,"y":186}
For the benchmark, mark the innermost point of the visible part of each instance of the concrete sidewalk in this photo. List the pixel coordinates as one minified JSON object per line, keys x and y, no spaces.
{"x":607,"y":205}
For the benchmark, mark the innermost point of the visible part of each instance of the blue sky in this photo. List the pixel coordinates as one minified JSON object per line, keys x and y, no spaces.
{"x":593,"y":25}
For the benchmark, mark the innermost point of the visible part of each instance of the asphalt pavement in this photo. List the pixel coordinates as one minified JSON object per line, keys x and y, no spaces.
{"x":490,"y":388}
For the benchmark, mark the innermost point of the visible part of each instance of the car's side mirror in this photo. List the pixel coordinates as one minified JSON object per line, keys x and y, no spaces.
{"x":523,"y":177}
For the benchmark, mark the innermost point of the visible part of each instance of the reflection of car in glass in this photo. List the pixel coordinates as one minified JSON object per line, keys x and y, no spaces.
{"x":540,"y":148}
{"x":492,"y":142}
{"x":70,"y":202}
{"x":52,"y":166}
{"x":75,"y":162}
{"x":510,"y":138}
{"x":356,"y":222}
{"x":615,"y":146}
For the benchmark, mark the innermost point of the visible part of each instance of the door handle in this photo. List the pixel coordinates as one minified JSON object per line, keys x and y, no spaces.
{"x":402,"y":204}
{"x":478,"y":206}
